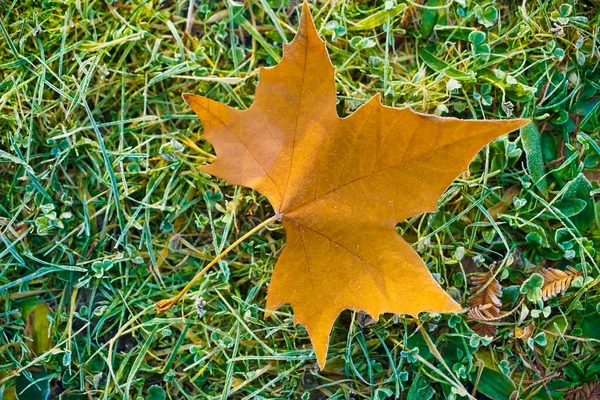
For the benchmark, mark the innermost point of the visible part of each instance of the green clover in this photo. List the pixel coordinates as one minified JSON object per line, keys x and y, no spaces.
{"x":533,"y":287}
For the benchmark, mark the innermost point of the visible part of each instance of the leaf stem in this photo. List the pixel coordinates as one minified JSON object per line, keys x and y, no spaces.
{"x":164,"y":305}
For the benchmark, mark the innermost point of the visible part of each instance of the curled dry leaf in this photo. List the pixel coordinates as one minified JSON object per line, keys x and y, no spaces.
{"x":340,"y":186}
{"x":557,"y":281}
{"x":524,"y":333}
{"x":484,"y":303}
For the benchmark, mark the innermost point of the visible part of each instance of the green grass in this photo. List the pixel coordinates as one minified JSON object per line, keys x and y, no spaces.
{"x":103,"y":213}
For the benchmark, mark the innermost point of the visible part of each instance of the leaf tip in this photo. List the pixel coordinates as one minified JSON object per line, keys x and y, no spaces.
{"x":307,"y":24}
{"x":321,"y":357}
{"x":320,"y":343}
{"x":522,"y":122}
{"x":305,"y":8}
{"x":319,"y":331}
{"x":445,"y":304}
{"x":510,"y":125}
{"x":452,"y":305}
{"x":187,"y":97}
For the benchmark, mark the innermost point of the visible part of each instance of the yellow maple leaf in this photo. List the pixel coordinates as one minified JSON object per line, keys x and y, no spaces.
{"x":340,"y":186}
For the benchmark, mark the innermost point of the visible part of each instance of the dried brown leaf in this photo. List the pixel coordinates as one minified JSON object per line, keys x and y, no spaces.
{"x":484,"y":303}
{"x":587,"y":391}
{"x":557,"y":281}
{"x":483,"y":329}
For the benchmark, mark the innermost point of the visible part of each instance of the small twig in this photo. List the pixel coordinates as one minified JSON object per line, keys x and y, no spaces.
{"x":164,"y":305}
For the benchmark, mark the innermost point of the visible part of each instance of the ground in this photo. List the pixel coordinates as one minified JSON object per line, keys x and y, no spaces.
{"x":103,"y":212}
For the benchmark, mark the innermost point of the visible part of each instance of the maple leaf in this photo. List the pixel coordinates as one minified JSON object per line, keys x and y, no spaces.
{"x":340,"y":186}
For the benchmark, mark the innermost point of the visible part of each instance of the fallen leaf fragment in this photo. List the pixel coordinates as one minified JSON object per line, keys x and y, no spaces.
{"x":557,"y":281}
{"x":340,"y":186}
{"x":484,"y":303}
{"x":524,"y":333}
{"x":36,"y":326}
